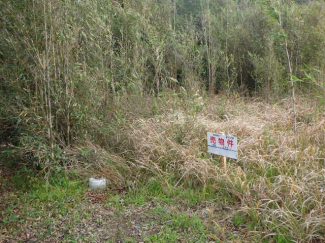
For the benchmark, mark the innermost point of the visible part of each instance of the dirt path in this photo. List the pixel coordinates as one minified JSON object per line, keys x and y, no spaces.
{"x":68,"y":215}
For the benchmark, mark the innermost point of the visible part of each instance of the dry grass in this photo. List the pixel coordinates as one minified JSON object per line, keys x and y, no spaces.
{"x":280,"y":186}
{"x":90,"y":160}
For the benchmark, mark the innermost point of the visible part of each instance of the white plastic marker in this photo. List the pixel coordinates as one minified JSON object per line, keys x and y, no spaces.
{"x":223,"y":145}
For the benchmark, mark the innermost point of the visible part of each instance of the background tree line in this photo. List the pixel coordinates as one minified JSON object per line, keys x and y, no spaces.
{"x":70,"y":67}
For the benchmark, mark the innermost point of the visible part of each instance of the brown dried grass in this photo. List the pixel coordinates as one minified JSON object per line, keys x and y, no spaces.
{"x":279,"y":183}
{"x":90,"y":160}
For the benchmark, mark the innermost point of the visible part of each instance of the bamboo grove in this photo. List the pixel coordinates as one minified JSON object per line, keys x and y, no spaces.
{"x":70,"y":67}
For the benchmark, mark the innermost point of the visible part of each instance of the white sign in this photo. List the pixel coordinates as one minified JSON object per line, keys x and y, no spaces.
{"x":222,"y":145}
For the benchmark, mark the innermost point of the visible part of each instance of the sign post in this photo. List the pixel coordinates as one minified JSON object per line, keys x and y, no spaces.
{"x":224,"y":162}
{"x":223,"y":145}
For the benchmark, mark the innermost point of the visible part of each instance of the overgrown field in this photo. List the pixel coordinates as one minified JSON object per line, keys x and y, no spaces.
{"x":165,"y":187}
{"x":128,"y":90}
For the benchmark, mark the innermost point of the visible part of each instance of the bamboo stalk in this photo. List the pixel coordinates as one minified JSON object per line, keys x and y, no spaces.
{"x":293,"y":96}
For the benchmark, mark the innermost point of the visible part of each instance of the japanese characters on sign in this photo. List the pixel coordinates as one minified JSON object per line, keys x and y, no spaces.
{"x":222,"y":145}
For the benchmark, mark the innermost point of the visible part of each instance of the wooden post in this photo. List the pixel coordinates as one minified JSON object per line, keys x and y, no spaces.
{"x":223,"y":162}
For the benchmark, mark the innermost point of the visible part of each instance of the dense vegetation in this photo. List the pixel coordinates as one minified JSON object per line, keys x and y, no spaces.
{"x":68,"y":66}
{"x":128,"y":89}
